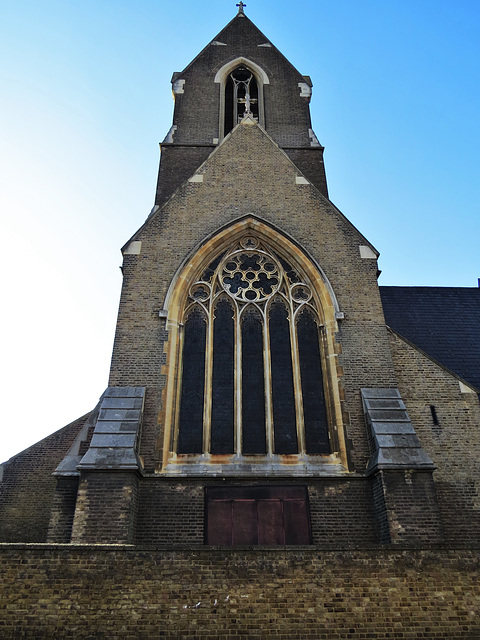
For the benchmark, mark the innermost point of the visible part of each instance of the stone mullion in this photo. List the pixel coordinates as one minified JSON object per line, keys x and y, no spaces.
{"x":238,"y":381}
{"x":235,"y":103}
{"x":207,"y":405}
{"x":181,"y":335}
{"x":267,"y":363}
{"x":297,"y":380}
{"x":328,"y":385}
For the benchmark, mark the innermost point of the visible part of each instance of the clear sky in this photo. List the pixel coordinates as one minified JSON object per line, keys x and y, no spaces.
{"x":86,"y":97}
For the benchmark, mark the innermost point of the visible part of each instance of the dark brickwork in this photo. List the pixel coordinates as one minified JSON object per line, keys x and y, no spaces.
{"x":197,"y":109}
{"x":27,"y":487}
{"x":458,"y":499}
{"x":63,"y":509}
{"x":289,"y":594}
{"x":411,"y":507}
{"x":173,"y":512}
{"x":170,"y":512}
{"x":177,"y":163}
{"x":380,"y":508}
{"x":310,"y":163}
{"x":341,"y":512}
{"x":106,"y":508}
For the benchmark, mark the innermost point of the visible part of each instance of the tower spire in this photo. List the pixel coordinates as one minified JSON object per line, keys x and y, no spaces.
{"x":240,"y":6}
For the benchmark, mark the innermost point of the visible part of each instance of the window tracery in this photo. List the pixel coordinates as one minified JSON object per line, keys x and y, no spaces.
{"x":252,"y":375}
{"x":241,"y":97}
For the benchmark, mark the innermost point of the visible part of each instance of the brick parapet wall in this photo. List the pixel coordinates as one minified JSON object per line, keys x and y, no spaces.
{"x":118,"y":592}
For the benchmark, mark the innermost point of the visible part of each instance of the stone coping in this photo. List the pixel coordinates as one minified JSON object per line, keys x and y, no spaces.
{"x":391,"y":548}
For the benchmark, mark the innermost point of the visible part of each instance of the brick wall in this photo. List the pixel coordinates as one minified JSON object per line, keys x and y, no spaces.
{"x":63,"y":509}
{"x":411,"y":507}
{"x":170,"y":512}
{"x":250,"y":175}
{"x":453,"y":444}
{"x":106,"y":508}
{"x":196,"y":114}
{"x":97,"y":592}
{"x":341,"y":511}
{"x":27,"y":487}
{"x":177,"y":163}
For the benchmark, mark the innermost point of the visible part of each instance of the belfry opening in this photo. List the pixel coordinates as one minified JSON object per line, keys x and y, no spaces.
{"x":241,"y":97}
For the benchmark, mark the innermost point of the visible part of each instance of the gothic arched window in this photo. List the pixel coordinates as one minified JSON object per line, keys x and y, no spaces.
{"x":241,"y":88}
{"x":241,"y":97}
{"x":252,"y":360}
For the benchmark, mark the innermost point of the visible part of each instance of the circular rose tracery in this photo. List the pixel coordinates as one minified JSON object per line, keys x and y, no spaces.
{"x":250,"y":276}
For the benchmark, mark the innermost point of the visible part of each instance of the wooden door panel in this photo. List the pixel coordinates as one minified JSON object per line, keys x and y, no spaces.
{"x":219,"y":522}
{"x":245,"y":522}
{"x":270,"y":522}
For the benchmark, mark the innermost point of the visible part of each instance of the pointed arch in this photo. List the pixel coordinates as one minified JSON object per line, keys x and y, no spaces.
{"x":250,"y":264}
{"x":223,"y":77}
{"x":212,"y":245}
{"x":228,"y":67}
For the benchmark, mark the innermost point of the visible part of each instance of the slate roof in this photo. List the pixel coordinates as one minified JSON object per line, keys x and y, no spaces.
{"x":442,"y":321}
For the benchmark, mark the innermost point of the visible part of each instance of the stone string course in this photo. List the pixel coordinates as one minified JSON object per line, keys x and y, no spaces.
{"x":118,"y":592}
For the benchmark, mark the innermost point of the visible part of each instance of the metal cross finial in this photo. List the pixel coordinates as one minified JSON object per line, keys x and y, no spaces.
{"x":240,"y":6}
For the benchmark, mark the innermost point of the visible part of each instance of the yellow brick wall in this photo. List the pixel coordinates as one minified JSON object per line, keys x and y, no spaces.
{"x":453,"y":444}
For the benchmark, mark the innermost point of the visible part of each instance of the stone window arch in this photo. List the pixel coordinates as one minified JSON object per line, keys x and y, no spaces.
{"x":241,"y":89}
{"x":253,"y":352}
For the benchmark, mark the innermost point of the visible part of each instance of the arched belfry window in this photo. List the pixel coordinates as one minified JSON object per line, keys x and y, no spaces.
{"x":253,"y":376}
{"x":241,"y":97}
{"x":241,"y":85}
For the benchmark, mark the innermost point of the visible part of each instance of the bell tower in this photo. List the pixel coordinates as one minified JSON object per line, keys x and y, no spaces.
{"x":240,"y":71}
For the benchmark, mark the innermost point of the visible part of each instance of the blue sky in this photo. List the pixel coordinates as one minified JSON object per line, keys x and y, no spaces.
{"x":85,"y":99}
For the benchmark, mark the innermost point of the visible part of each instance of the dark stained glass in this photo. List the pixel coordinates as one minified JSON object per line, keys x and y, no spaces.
{"x":236,"y":283}
{"x":229,"y":124}
{"x":222,"y":425}
{"x":291,"y":274}
{"x":250,"y":262}
{"x":314,"y":411}
{"x":253,"y":394}
{"x":210,"y":270}
{"x":265,"y":283}
{"x":284,"y":420}
{"x":190,"y":433}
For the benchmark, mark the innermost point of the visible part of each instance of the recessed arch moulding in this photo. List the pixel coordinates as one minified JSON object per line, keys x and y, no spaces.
{"x":228,"y":67}
{"x":221,"y":78}
{"x":328,"y":313}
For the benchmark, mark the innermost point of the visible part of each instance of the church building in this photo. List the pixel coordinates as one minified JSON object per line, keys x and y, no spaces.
{"x":278,"y":431}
